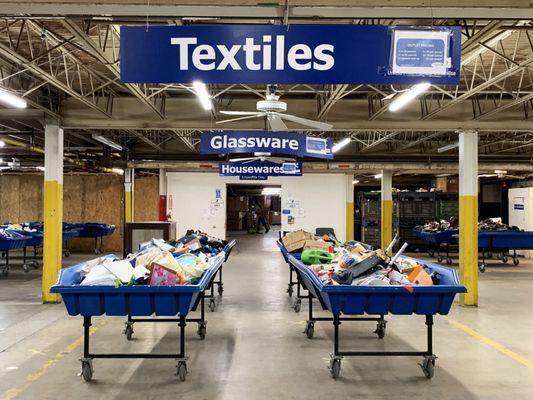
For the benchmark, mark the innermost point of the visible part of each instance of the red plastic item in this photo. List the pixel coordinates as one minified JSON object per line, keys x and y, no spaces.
{"x":162,"y":207}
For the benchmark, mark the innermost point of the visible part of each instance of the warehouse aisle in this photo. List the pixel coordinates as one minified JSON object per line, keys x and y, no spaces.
{"x":255,"y":348}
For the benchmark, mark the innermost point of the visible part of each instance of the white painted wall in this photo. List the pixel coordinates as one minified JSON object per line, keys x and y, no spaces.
{"x":321,"y":198}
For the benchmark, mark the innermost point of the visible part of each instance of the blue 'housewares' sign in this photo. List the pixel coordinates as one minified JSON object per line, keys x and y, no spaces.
{"x":259,"y":170}
{"x":295,"y":54}
{"x":288,"y":143}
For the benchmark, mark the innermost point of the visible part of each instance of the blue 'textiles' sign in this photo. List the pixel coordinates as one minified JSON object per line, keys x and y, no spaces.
{"x":288,"y":143}
{"x":295,"y":54}
{"x":259,"y":169}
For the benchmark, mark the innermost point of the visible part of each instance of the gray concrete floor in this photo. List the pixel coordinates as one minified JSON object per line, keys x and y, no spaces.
{"x":255,"y":348}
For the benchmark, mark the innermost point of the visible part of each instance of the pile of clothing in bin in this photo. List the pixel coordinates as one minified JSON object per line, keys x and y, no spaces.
{"x":4,"y":233}
{"x":157,"y":263}
{"x":495,"y":224}
{"x":442,"y":225}
{"x":357,"y":264}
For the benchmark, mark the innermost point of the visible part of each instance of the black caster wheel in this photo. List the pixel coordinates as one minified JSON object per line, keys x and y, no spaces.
{"x":516,"y":261}
{"x":220,"y":290}
{"x":431,"y":253}
{"x":26,"y":268}
{"x":297,"y":306}
{"x":35,"y":265}
{"x":182,"y":371}
{"x":439,"y":258}
{"x":202,"y":329}
{"x":128,"y":332}
{"x":4,"y":272}
{"x":310,"y":329}
{"x":335,"y":368}
{"x":505,"y":259}
{"x":66,"y":253}
{"x":86,"y":371}
{"x":290,"y":290}
{"x":381,"y":329}
{"x":212,"y":305}
{"x":449,"y":261}
{"x":428,"y":367}
{"x":482,"y":268}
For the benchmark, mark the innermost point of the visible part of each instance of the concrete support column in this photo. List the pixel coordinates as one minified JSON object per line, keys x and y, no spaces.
{"x":162,"y":194}
{"x":129,"y":195}
{"x":468,"y":215}
{"x":349,"y":208}
{"x":53,"y":209}
{"x":386,"y":208}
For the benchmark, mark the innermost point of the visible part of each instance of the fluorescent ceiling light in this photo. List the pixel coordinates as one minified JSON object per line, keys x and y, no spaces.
{"x":355,"y":181}
{"x":340,"y":145}
{"x":40,"y":168}
{"x":271,"y":191}
{"x":448,"y":147}
{"x":1,"y":161}
{"x":107,"y":142}
{"x":2,"y":143}
{"x":203,"y":95}
{"x":378,"y":176}
{"x":500,"y":171}
{"x":408,"y":96}
{"x":12,"y":100}
{"x":119,"y":171}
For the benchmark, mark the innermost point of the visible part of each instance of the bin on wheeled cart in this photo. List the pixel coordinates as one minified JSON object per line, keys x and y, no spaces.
{"x":377,"y":301}
{"x":7,"y":244}
{"x":138,"y":303}
{"x":94,"y":230}
{"x":35,"y":241}
{"x":503,"y":242}
{"x":440,"y":239}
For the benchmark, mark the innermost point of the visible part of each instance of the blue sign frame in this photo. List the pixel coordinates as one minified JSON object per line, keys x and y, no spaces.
{"x":288,"y":143}
{"x":264,"y":54}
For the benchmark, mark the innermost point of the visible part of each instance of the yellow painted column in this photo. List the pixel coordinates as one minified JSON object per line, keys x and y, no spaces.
{"x":468,"y":216}
{"x":129,"y":199}
{"x":349,"y":208}
{"x":53,"y":210}
{"x":386,"y":208}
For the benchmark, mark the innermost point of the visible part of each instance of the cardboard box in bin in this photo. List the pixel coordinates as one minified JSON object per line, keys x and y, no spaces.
{"x":296,"y":240}
{"x":316,"y":245}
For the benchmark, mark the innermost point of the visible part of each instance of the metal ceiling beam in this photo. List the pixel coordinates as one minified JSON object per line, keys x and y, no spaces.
{"x":505,"y":106}
{"x":112,"y":65}
{"x":51,"y":9}
{"x":143,"y":138}
{"x":479,"y":88}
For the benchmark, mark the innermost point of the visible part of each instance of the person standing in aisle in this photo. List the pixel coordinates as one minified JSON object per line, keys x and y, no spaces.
{"x":261,"y":217}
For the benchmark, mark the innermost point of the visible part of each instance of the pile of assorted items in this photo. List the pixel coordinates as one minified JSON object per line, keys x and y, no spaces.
{"x":158,"y":263}
{"x":495,"y":224}
{"x":439,"y":226}
{"x":355,"y":263}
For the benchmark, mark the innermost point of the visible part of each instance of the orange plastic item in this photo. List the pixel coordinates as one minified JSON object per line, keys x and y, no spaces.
{"x":420,"y":276}
{"x":325,"y":238}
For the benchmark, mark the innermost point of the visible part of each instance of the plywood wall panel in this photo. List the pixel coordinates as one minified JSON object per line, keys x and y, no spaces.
{"x":30,"y":198}
{"x":146,"y":198}
{"x":73,"y":198}
{"x":9,"y":199}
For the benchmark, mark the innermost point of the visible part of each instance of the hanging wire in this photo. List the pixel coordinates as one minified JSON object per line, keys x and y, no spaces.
{"x":147,"y":14}
{"x":431,"y":11}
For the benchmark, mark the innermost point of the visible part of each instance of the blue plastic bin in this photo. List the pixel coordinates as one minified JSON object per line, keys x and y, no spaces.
{"x":129,"y":300}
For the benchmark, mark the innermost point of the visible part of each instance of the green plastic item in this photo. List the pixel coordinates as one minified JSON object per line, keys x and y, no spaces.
{"x":310,"y":257}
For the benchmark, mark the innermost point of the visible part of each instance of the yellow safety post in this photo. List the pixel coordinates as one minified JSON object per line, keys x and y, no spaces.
{"x":349,"y":208}
{"x":386,"y":208}
{"x":129,"y":195}
{"x":468,"y":215}
{"x":53,"y":210}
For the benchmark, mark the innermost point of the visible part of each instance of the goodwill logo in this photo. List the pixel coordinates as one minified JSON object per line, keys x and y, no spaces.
{"x":265,"y":142}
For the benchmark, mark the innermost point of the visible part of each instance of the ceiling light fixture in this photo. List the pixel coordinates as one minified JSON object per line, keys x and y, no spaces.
{"x":12,"y":100}
{"x":448,"y":147}
{"x":203,"y":95}
{"x":271,"y":191}
{"x":40,"y":168}
{"x":378,"y":176}
{"x":337,"y":146}
{"x":107,"y":142}
{"x":500,"y":171}
{"x":2,"y":143}
{"x":355,"y":181}
{"x":408,"y":96}
{"x":118,"y":171}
